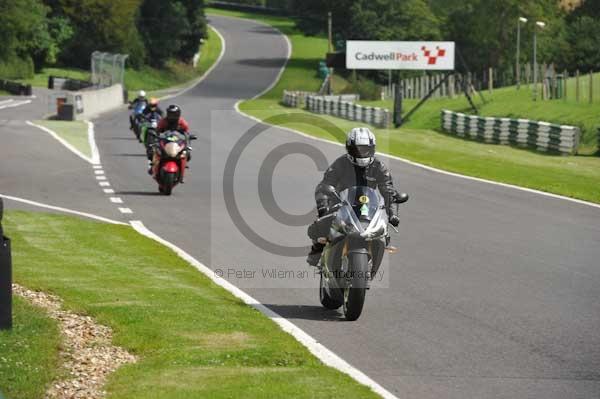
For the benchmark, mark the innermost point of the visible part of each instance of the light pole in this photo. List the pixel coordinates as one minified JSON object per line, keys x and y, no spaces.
{"x":541,"y":25}
{"x":523,"y":20}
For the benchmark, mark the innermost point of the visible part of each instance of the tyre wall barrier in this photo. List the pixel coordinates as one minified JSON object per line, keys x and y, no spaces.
{"x":541,"y":136}
{"x":332,"y":105}
{"x":16,"y":88}
{"x":90,"y":103}
{"x":64,"y":83}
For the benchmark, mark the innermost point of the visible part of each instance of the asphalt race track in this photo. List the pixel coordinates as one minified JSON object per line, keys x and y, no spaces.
{"x":494,"y":292}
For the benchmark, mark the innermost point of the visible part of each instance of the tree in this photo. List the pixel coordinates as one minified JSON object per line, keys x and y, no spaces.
{"x":197,"y":29}
{"x":99,"y":25}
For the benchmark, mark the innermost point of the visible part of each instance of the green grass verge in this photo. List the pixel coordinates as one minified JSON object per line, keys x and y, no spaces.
{"x":193,"y":339}
{"x":73,"y":132}
{"x":41,"y":79}
{"x":28,"y":353}
{"x":573,"y":176}
{"x":512,"y":103}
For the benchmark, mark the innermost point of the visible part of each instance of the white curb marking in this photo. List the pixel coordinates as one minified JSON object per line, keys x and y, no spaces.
{"x":60,"y":209}
{"x":62,"y":141}
{"x":13,"y":103}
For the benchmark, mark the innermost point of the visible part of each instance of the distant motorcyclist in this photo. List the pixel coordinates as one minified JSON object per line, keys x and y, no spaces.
{"x":153,"y":108}
{"x":359,"y":167}
{"x":174,"y":121}
{"x":141,"y":98}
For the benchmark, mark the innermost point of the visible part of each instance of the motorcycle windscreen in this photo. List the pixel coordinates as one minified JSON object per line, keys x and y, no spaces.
{"x":140,"y":107}
{"x":365,"y":201}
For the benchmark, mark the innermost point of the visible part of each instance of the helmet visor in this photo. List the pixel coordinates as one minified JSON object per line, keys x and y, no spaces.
{"x":362,"y":151}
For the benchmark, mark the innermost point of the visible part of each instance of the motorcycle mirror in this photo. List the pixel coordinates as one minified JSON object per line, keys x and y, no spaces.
{"x":193,"y":137}
{"x":401,"y":198}
{"x":328,"y":189}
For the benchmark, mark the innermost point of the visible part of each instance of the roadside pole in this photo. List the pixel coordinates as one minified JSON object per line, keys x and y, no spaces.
{"x":330,"y":39}
{"x":5,"y":278}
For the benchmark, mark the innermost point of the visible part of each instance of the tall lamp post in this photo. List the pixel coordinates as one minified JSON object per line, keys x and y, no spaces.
{"x":518,"y":61}
{"x":541,"y":25}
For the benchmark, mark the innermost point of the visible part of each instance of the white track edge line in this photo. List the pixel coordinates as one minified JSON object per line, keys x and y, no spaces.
{"x":320,"y":351}
{"x":397,"y":158}
{"x":62,"y":141}
{"x":61,"y":209}
{"x":95,"y":160}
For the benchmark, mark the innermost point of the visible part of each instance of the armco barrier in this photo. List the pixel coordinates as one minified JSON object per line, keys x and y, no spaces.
{"x":90,"y":103}
{"x":541,"y":136}
{"x":332,"y":105}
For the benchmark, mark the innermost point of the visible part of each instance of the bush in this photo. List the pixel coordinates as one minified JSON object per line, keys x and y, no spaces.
{"x":367,"y":89}
{"x":16,"y":68}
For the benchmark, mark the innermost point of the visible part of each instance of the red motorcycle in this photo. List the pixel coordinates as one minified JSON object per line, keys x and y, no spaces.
{"x":171,"y":154}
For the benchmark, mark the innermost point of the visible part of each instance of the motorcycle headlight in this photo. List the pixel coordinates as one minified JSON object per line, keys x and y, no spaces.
{"x":172,"y":149}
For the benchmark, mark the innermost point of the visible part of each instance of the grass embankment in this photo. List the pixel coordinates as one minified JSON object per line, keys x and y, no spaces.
{"x":419,"y":141}
{"x":73,"y":132}
{"x":192,"y":338}
{"x":513,"y":103}
{"x":150,"y":79}
{"x":29,"y":358}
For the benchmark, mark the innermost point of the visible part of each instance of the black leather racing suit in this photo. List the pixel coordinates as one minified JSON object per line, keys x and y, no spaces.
{"x":343,"y":174}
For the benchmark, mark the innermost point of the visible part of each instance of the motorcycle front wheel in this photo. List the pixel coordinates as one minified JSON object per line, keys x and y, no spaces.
{"x":327,"y":301}
{"x":167,"y":183}
{"x":354,"y":295}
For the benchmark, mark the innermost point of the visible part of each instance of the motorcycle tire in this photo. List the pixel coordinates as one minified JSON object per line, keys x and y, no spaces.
{"x":168,"y":182}
{"x":354,"y":295}
{"x":327,"y":301}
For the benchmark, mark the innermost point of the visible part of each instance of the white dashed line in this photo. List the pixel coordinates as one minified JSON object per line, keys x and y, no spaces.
{"x":104,"y":184}
{"x":97,"y":166}
{"x":125,"y":210}
{"x":100,"y":177}
{"x":116,"y":200}
{"x":99,"y":172}
{"x":109,"y":191}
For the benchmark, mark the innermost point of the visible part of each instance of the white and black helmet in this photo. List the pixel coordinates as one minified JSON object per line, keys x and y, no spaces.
{"x":360,"y":145}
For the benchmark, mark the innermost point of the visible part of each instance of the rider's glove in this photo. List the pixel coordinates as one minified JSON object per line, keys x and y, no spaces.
{"x":323,"y":210}
{"x":394,"y":220}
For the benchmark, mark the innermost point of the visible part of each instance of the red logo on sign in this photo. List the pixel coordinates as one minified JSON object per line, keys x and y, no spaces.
{"x":432,"y":59}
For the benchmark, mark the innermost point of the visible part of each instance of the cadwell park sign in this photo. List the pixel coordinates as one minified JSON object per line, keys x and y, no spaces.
{"x":437,"y":56}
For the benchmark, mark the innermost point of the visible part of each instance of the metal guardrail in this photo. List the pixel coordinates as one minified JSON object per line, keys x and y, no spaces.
{"x":5,"y":278}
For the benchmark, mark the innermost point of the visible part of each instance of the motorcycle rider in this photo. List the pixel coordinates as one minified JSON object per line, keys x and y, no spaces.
{"x":140,"y":98}
{"x":358,"y":167}
{"x":153,"y":108}
{"x":173,"y":121}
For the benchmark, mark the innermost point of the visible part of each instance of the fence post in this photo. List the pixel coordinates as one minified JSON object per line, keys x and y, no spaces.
{"x":5,"y":278}
{"x":591,"y":87}
{"x":577,"y":85}
{"x":491,"y":80}
{"x":565,"y":84}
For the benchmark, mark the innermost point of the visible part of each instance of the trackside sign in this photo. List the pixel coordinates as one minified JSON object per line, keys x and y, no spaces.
{"x":438,"y":56}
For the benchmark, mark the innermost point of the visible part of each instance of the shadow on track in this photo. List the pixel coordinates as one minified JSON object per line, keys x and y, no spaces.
{"x":140,"y":193}
{"x":306,"y":312}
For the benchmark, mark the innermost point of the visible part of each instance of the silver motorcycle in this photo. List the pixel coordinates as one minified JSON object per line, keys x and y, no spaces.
{"x":356,"y":236}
